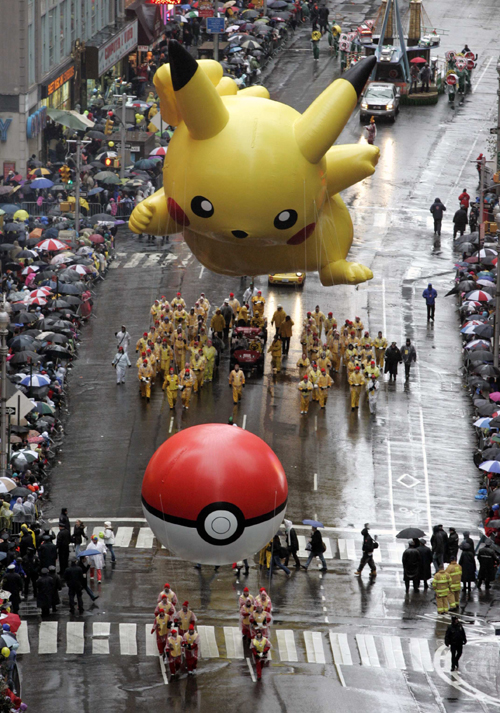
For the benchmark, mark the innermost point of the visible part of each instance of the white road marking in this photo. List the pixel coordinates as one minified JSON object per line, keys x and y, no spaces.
{"x":384,"y":316}
{"x":102,"y":629}
{"x":393,"y":652}
{"x":286,"y":645}
{"x":75,"y":637}
{"x":475,"y":86}
{"x":314,"y":647}
{"x":429,"y":222}
{"x":23,"y":639}
{"x":202,"y":271}
{"x":420,"y":655}
{"x":163,"y":670}
{"x":396,"y":550}
{"x":426,"y":472}
{"x":249,"y":664}
{"x":152,"y":260}
{"x":47,"y":637}
{"x":367,"y":650}
{"x":208,"y":642}
{"x":128,"y":639}
{"x":151,"y":647}
{"x":315,"y":481}
{"x":340,"y":648}
{"x":134,"y":260}
{"x":234,"y":643}
{"x":145,"y":537}
{"x":116,"y":262}
{"x":123,"y":536}
{"x":380,"y":220}
{"x":171,"y":424}
{"x":391,"y":494}
{"x":347,"y":549}
{"x":244,"y":421}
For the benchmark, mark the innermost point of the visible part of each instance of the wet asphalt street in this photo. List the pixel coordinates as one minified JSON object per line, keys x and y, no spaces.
{"x":361,"y":644}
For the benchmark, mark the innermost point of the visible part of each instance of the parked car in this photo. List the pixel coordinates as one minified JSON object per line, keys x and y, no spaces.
{"x":380,"y":99}
{"x":287,"y":278}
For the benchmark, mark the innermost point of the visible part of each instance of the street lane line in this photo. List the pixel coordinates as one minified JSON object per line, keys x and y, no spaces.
{"x":103,"y":629}
{"x":315,"y":481}
{"x":171,"y":424}
{"x":429,"y":221}
{"x":368,"y":650}
{"x":340,"y":649}
{"x":75,"y":637}
{"x":244,"y":421}
{"x":151,"y":647}
{"x":286,"y":645}
{"x":47,"y":637}
{"x":163,"y":670}
{"x":202,"y":271}
{"x":100,"y":646}
{"x":314,"y":647}
{"x":128,"y":639}
{"x":377,"y":555}
{"x":425,"y":654}
{"x":249,"y":664}
{"x":416,"y":656}
{"x":393,"y":652}
{"x":328,"y":554}
{"x":476,"y":84}
{"x":391,"y":494}
{"x":347,"y":549}
{"x":123,"y":536}
{"x":153,"y":260}
{"x":396,"y":550}
{"x":234,"y":643}
{"x":426,"y":472}
{"x":135,"y":260}
{"x":23,"y":639}
{"x":145,"y":538}
{"x":208,"y":642}
{"x":380,"y":220}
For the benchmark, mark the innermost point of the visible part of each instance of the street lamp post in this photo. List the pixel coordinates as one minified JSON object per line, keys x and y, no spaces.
{"x":498,"y":120}
{"x":4,"y":331}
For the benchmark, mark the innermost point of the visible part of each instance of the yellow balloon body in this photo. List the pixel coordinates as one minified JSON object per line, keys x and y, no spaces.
{"x":252,"y":183}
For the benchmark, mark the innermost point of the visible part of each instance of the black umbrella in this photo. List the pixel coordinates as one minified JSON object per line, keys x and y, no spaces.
{"x":102,"y":217}
{"x":55,"y":338}
{"x":491,"y":454}
{"x":480,"y":355}
{"x":410,"y":533}
{"x":95,"y":135}
{"x":485,"y":331}
{"x":25,"y":358}
{"x":20,"y":342}
{"x":69,"y":289}
{"x":478,"y":381}
{"x":20,"y":492}
{"x":495,"y":422}
{"x":487,"y":409}
{"x":486,"y":370}
{"x":7,"y":246}
{"x":26,"y":318}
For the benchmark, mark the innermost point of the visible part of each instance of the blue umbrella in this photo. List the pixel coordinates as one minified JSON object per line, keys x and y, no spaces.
{"x":312,"y":523}
{"x":483,"y":422}
{"x":35,"y":380}
{"x":490,"y":466}
{"x":88,"y":553}
{"x":41,"y":183}
{"x":95,"y":190}
{"x":10,"y":208}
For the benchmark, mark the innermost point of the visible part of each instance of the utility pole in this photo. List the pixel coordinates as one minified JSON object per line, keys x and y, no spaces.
{"x":123,"y":130}
{"x":4,"y":350}
{"x":77,"y":191}
{"x":496,"y":335}
{"x":481,"y":210}
{"x":216,"y":34}
{"x":498,"y":120}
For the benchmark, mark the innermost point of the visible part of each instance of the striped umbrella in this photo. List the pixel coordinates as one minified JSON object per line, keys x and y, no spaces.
{"x":478,"y":296}
{"x":490,"y":466}
{"x":482,"y":422}
{"x":159,"y":151}
{"x":52,"y":245}
{"x":40,"y":292}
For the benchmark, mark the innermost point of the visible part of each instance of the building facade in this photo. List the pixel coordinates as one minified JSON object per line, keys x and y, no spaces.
{"x":52,"y":55}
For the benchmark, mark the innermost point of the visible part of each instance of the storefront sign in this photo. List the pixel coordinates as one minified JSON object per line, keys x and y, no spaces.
{"x":205,"y":9}
{"x":119,"y":46}
{"x":143,"y":48}
{"x":36,"y":123}
{"x":7,"y":167}
{"x":4,"y":127}
{"x":62,"y":79}
{"x":163,"y":2}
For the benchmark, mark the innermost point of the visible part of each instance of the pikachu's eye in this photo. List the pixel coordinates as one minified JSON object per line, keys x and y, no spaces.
{"x":285,"y":219}
{"x":202,"y":207}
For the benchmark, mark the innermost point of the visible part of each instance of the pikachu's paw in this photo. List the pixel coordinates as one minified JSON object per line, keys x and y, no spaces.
{"x":342,"y":272}
{"x":141,"y":218}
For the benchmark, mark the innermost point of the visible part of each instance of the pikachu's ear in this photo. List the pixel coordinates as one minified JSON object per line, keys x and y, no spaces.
{"x":197,"y":100}
{"x":322,"y":122}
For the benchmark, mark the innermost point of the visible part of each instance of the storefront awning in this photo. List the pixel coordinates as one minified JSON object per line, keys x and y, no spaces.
{"x":101,"y":57}
{"x":150,"y":21}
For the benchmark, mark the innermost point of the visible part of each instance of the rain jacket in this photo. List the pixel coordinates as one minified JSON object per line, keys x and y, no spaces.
{"x":468,"y":563}
{"x":455,"y":635}
{"x":411,"y":563}
{"x":437,"y":209}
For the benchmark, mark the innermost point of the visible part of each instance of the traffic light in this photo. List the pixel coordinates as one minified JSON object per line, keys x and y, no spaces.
{"x":65,"y":173}
{"x":109,"y":123}
{"x":108,"y":162}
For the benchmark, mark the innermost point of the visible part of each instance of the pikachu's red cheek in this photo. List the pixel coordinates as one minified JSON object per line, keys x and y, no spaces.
{"x":176,"y":213}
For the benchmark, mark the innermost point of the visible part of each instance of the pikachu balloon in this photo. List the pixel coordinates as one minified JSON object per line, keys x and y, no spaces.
{"x":252,"y":184}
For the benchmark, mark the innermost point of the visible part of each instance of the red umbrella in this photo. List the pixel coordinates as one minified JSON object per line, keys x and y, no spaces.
{"x":418,"y":60}
{"x":96,"y":238}
{"x":51,"y":245}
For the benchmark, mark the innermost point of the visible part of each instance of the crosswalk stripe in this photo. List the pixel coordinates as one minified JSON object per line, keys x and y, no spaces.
{"x":314,"y":647}
{"x":208,"y":642}
{"x":152,"y":260}
{"x":102,"y":629}
{"x":123,"y":536}
{"x":151,"y":647}
{"x":134,"y":260}
{"x":145,"y":537}
{"x":380,"y":220}
{"x":47,"y":637}
{"x":128,"y":639}
{"x":75,"y":637}
{"x":347,"y":549}
{"x":396,"y":550}
{"x":429,"y":222}
{"x":286,"y":645}
{"x":340,"y":648}
{"x":377,"y":555}
{"x":420,"y":655}
{"x":234,"y":643}
{"x":367,"y":650}
{"x":23,"y":639}
{"x":393,"y":652}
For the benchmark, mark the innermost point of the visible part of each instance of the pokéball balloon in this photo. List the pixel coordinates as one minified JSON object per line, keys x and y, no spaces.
{"x":214,"y":494}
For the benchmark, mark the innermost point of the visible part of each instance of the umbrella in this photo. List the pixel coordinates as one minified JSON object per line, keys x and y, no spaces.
{"x":495,"y":396}
{"x":102,"y":218}
{"x":35,"y":380}
{"x":106,"y":154}
{"x":94,"y":134}
{"x":251,"y":45}
{"x":71,"y":119}
{"x":104,"y":174}
{"x":485,"y":409}
{"x":249,"y":14}
{"x":159,"y":151}
{"x":486,"y":252}
{"x":418,"y":60}
{"x":25,"y":357}
{"x":41,"y":172}
{"x":51,"y":245}
{"x":25,"y":456}
{"x":491,"y":453}
{"x":145,"y":164}
{"x":278,"y":5}
{"x":40,"y":292}
{"x":410,"y":533}
{"x":53,"y":337}
{"x":96,"y":190}
{"x":20,"y":342}
{"x":25,"y":318}
{"x":312,"y":523}
{"x":8,"y":484}
{"x":482,"y":423}
{"x":21,"y":215}
{"x":69,"y":289}
{"x":478,"y":296}
{"x":96,"y":238}
{"x":490,"y":466}
{"x":20,"y":492}
{"x":88,"y":553}
{"x":478,"y":344}
{"x":10,"y":208}
{"x":42,"y":407}
{"x":483,"y":330}
{"x":486,"y":370}
{"x":41,"y":183}
{"x":480,"y":355}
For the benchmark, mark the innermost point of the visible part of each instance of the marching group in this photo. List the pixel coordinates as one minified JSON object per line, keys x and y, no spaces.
{"x":176,"y":637}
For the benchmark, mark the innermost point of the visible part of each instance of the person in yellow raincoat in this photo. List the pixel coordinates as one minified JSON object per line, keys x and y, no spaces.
{"x":258,"y":304}
{"x":177,"y":301}
{"x":210,"y":353}
{"x":330,"y":323}
{"x":371,"y":369}
{"x":265,"y":556}
{"x":237,"y":382}
{"x":186,"y":382}
{"x":356,"y":383}
{"x":441,"y":585}
{"x":358,"y":327}
{"x":324,"y":383}
{"x":319,"y":318}
{"x":180,"y":346}
{"x":174,"y":652}
{"x":334,"y":345}
{"x":218,"y":323}
{"x":192,"y":323}
{"x":198,"y":367}
{"x":171,"y":386}
{"x":180,"y":315}
{"x":145,"y":375}
{"x":454,"y":571}
{"x":142,"y":343}
{"x":279,"y":316}
{"x":276,"y":349}
{"x":314,"y":373}
{"x":380,"y":345}
{"x":152,"y":360}
{"x":166,"y":357}
{"x":324,"y":362}
{"x":305,"y":387}
{"x":243,"y":316}
{"x":303,"y":363}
